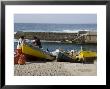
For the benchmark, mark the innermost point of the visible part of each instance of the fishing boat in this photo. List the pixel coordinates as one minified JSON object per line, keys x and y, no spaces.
{"x":64,"y":57}
{"x":86,"y":56}
{"x":32,"y":52}
{"x":83,"y":55}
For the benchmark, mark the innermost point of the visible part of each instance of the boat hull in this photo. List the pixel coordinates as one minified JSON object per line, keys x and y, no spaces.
{"x":86,"y":56}
{"x":63,"y":58}
{"x":34,"y":58}
{"x":35,"y":53}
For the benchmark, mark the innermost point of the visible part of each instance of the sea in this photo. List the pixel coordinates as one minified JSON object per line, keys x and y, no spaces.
{"x":48,"y":27}
{"x":65,"y":28}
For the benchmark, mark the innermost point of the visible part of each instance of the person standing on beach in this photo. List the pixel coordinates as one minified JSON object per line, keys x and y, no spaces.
{"x":37,"y":42}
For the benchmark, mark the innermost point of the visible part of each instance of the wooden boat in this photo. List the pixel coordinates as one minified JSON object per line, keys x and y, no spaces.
{"x":86,"y":56}
{"x":32,"y":52}
{"x":63,"y":57}
{"x":82,"y":56}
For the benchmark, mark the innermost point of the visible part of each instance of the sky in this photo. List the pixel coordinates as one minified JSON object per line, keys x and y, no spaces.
{"x":56,"y":18}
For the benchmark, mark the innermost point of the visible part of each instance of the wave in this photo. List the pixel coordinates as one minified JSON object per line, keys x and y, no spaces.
{"x":59,"y":31}
{"x":52,"y":27}
{"x":70,"y":31}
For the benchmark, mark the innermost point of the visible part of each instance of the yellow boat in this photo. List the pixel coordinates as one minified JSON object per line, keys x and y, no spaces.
{"x":86,"y":56}
{"x":34,"y":52}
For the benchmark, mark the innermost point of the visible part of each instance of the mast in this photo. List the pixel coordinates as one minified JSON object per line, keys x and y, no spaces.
{"x":81,"y":48}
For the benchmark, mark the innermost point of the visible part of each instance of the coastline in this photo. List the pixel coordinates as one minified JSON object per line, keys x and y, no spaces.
{"x":79,"y":37}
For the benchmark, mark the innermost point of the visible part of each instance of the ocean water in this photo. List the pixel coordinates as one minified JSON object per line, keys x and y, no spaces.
{"x":38,"y":27}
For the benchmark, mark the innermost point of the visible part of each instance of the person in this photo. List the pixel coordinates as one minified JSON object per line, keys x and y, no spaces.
{"x":20,"y":41}
{"x":37,"y":42}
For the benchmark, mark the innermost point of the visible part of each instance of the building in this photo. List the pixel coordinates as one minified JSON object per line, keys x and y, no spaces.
{"x":91,"y":37}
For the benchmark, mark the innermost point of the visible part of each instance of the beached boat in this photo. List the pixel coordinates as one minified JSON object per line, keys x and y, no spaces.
{"x":86,"y":56}
{"x":81,"y":56}
{"x":32,"y":52}
{"x":64,"y":57}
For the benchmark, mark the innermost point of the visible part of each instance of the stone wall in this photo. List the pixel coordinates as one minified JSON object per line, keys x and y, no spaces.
{"x":50,"y":36}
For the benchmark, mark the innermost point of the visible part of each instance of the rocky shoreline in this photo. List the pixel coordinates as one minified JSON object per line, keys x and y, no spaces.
{"x":55,"y":69}
{"x":79,"y":37}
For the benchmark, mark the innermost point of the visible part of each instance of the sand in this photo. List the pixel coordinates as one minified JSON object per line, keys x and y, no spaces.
{"x":55,"y":69}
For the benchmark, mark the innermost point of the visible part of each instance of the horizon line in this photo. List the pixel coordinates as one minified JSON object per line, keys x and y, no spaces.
{"x":54,"y":23}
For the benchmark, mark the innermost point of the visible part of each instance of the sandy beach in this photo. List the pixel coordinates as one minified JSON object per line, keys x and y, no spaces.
{"x":55,"y":69}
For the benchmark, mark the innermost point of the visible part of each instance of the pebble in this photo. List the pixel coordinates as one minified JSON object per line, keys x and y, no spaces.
{"x":55,"y":69}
